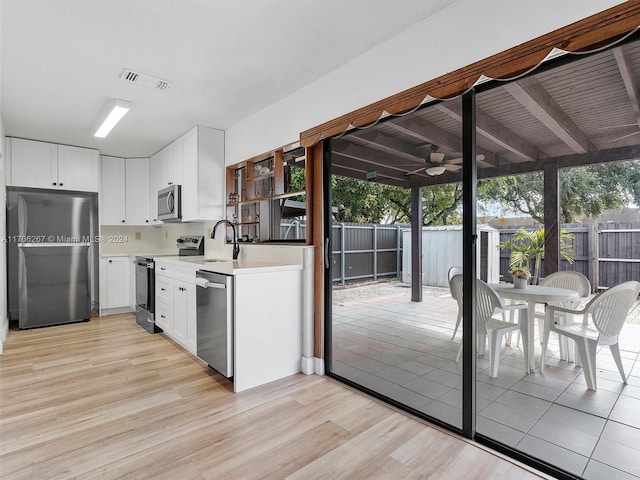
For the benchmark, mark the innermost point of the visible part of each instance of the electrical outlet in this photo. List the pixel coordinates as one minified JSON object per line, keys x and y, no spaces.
{"x":138,"y":236}
{"x":166,"y":235}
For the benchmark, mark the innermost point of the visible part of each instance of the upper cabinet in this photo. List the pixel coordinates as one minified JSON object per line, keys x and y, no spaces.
{"x":47,"y":165}
{"x":123,"y":194}
{"x":196,"y":162}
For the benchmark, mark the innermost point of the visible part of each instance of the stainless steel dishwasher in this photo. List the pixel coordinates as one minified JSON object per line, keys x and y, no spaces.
{"x":214,"y":299}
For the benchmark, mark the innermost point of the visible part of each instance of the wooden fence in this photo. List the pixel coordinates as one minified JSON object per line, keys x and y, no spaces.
{"x":606,"y":253}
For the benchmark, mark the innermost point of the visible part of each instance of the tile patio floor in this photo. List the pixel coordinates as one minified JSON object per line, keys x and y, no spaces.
{"x":403,"y":350}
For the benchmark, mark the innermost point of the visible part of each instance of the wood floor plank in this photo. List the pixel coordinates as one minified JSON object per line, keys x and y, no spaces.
{"x":104,"y":399}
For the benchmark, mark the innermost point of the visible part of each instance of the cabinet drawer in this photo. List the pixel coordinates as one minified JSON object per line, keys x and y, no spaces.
{"x":164,"y":269}
{"x":164,"y":291}
{"x":164,"y":316}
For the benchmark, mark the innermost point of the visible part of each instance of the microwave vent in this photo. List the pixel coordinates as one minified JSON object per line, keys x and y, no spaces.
{"x":143,"y":79}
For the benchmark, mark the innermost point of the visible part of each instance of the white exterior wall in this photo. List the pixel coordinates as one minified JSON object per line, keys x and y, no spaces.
{"x":425,"y":51}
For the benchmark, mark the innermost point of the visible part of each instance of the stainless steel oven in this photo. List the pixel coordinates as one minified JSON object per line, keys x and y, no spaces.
{"x":145,"y":294}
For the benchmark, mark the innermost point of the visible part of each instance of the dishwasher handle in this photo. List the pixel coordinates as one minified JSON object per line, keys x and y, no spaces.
{"x":204,"y":283}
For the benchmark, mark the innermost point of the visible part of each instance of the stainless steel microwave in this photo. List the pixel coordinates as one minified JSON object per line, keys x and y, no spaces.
{"x":170,"y":204}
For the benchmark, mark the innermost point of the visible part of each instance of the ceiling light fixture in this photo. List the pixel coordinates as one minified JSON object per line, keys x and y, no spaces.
{"x":118,"y":110}
{"x":437,"y":170}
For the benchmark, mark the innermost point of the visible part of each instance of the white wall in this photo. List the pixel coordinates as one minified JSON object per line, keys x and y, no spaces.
{"x":461,"y":34}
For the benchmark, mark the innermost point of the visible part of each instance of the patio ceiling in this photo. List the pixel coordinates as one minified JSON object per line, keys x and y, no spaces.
{"x":586,"y":111}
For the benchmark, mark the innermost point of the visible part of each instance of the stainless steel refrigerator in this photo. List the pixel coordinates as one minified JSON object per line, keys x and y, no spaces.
{"x":48,"y":256}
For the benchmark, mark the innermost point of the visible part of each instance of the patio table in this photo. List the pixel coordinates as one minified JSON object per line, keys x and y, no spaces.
{"x":533,"y":294}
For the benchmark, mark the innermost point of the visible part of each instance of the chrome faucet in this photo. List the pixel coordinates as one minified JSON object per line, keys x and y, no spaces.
{"x":236,"y":246}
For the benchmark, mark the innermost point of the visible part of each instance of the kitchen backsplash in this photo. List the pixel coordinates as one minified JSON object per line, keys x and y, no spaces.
{"x":132,"y":240}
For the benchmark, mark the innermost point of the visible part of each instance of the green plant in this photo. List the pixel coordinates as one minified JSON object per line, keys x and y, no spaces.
{"x":527,"y":247}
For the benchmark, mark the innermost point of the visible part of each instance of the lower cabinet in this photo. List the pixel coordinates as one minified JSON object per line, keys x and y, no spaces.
{"x":115,"y":273}
{"x":176,"y":304}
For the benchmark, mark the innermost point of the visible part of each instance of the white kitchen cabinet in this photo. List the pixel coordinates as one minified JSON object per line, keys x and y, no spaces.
{"x":78,"y":169}
{"x":115,"y":273}
{"x":176,"y":303}
{"x":196,"y":162}
{"x":184,"y":314}
{"x":123,"y":193}
{"x":112,"y":191}
{"x":47,"y":165}
{"x":204,"y":174}
{"x":137,"y":186}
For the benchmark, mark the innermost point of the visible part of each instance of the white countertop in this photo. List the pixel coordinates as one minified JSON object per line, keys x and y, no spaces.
{"x":228,"y":267}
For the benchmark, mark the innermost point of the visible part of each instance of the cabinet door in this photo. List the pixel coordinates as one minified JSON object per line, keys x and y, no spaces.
{"x":165,"y":166}
{"x":112,"y":192}
{"x":177,"y":163}
{"x":33,"y":164}
{"x":155,"y":184}
{"x":191,"y":341}
{"x":78,"y":169}
{"x":117,"y":282}
{"x":190,"y":190}
{"x":137,"y":186}
{"x":180,"y":311}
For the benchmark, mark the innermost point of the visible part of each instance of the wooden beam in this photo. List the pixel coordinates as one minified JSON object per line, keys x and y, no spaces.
{"x":427,"y":132}
{"x":618,"y":154}
{"x":392,"y":145}
{"x":531,"y":95}
{"x":493,"y":130}
{"x":551,"y":219}
{"x":373,"y":157}
{"x":621,"y":54}
{"x":351,"y":172}
{"x":317,"y":164}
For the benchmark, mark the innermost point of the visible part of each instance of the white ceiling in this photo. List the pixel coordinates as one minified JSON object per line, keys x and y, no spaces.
{"x":61,"y":60}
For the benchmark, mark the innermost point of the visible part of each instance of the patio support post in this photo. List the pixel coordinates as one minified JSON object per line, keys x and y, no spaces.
{"x":469,"y":251}
{"x":416,"y":244}
{"x":551,"y":195}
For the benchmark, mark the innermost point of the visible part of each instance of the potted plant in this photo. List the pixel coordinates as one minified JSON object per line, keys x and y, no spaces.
{"x":527,"y":247}
{"x":521,"y":277}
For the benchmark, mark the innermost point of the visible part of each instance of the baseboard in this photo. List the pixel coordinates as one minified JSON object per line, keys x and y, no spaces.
{"x":4,"y":331}
{"x":318,"y":365}
{"x":115,"y":311}
{"x":306,"y":365}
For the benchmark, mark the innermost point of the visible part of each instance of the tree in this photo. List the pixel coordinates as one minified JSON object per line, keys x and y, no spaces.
{"x":583,"y":190}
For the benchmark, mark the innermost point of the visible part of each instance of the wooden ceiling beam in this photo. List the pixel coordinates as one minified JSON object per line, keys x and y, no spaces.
{"x":596,"y":157}
{"x":349,"y":172}
{"x":369,"y":156}
{"x":429,"y":133}
{"x":392,"y":145}
{"x":495,"y":131}
{"x":531,"y":95}
{"x":362,"y":165}
{"x":621,"y":54}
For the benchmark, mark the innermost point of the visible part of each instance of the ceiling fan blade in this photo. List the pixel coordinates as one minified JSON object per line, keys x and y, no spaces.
{"x":415,"y":171}
{"x":452,"y":168}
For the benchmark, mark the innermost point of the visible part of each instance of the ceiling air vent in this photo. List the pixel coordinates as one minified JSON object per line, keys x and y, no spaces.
{"x":148,"y":81}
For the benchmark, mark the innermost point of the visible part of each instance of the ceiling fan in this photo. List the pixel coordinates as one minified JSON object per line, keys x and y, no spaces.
{"x":436,"y":164}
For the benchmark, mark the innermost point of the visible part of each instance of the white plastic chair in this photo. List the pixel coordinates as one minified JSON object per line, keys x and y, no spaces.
{"x":608,"y":312}
{"x":457,"y":296}
{"x":569,"y":280}
{"x":488,"y":302}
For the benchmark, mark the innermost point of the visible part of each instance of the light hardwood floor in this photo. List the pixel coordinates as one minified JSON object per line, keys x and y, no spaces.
{"x":104,"y":399}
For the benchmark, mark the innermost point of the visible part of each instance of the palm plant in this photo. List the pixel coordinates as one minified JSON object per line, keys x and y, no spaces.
{"x":528,"y":246}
